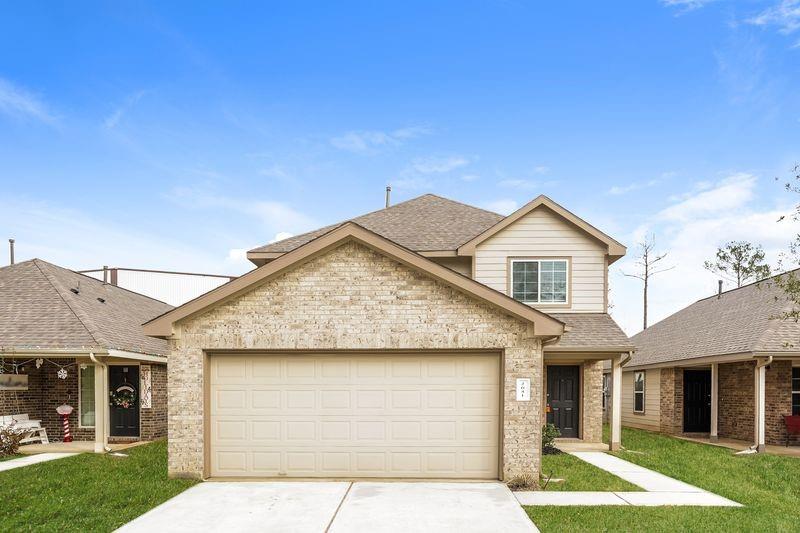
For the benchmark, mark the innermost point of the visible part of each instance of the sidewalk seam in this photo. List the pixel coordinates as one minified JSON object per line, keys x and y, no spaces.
{"x":336,"y":512}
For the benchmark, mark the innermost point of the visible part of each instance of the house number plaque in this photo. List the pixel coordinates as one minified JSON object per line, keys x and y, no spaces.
{"x":523,"y":389}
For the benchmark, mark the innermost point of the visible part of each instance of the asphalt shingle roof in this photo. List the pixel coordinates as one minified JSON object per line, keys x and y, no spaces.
{"x":425,"y":223}
{"x":742,"y":320}
{"x":590,"y":330}
{"x":38,"y":309}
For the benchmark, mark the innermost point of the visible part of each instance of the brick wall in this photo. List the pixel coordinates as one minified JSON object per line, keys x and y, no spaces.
{"x":592,"y":401}
{"x":737,"y":400}
{"x":353,"y":298}
{"x":154,"y":420}
{"x":671,"y":401}
{"x":779,"y":401}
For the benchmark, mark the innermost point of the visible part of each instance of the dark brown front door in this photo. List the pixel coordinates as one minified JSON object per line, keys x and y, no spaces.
{"x":124,"y":382}
{"x":562,"y":398}
{"x":697,"y":401}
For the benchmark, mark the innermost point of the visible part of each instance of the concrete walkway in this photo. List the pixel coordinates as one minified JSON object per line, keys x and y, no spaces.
{"x":339,"y":507}
{"x":31,"y":460}
{"x":660,"y":489}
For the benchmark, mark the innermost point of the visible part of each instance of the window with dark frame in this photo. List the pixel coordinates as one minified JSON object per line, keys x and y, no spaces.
{"x":638,"y":391}
{"x":605,"y":390}
{"x":796,"y":390}
{"x":539,"y":281}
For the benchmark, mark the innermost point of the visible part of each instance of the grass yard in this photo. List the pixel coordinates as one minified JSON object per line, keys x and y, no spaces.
{"x":87,"y":492}
{"x":9,"y":457}
{"x":580,"y":475}
{"x":768,"y":486}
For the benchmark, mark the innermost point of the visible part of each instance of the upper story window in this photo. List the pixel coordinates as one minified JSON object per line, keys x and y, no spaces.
{"x":538,"y":281}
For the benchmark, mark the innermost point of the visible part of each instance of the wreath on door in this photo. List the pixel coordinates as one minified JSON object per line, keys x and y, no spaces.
{"x":124,"y":397}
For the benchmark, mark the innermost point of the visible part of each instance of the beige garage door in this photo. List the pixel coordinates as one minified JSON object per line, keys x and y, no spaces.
{"x":355,"y":416}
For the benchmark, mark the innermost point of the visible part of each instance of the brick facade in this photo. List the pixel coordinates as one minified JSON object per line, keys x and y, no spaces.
{"x":46,"y":392}
{"x":736,"y":401}
{"x":592,"y":405}
{"x":353,"y":298}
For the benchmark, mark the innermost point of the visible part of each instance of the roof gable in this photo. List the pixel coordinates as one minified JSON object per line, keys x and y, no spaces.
{"x":615,"y":250}
{"x":544,"y":324}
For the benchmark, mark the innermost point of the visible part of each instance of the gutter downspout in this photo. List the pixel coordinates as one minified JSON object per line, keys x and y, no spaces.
{"x":100,"y":405}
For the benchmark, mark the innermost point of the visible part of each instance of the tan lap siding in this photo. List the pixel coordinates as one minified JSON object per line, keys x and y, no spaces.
{"x":541,"y":234}
{"x":651,"y":418}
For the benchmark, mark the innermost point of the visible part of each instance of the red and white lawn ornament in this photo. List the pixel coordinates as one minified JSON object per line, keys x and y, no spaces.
{"x":65,"y":410}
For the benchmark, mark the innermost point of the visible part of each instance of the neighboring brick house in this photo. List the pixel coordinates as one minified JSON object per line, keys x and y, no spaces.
{"x":430,"y":339}
{"x":75,"y":340}
{"x":699,"y":371}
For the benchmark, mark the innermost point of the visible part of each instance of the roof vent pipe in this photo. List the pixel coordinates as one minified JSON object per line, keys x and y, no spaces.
{"x":719,"y":288}
{"x":11,"y":251}
{"x":388,"y":194}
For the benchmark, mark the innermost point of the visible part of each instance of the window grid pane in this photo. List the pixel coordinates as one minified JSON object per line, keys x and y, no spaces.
{"x":525,"y":282}
{"x":87,"y":396}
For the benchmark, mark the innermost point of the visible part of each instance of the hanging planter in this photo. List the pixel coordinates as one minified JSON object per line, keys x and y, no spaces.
{"x":123,"y":398}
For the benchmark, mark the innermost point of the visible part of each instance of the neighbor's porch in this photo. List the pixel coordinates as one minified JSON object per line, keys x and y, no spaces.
{"x":741,"y":403}
{"x":43,"y":381}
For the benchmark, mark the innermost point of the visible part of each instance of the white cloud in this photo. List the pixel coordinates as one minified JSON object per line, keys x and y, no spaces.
{"x":438,"y":164}
{"x":504,"y":207}
{"x":17,"y":102}
{"x":113,"y":120}
{"x":272,"y":214}
{"x":690,"y":231}
{"x":785,"y":15}
{"x":523,"y":185}
{"x":541,"y":169}
{"x":366,"y":141}
{"x":686,"y":5}
{"x":470,"y":177}
{"x":728,"y":194}
{"x":281,"y":235}
{"x":618,"y":190}
{"x":413,"y":183}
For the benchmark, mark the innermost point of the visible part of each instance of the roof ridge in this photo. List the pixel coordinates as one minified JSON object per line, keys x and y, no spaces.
{"x":748,"y":285}
{"x":54,"y":283}
{"x":461,"y":203}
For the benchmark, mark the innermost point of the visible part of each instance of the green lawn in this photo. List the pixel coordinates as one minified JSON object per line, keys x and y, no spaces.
{"x":9,"y":457}
{"x":580,"y":475}
{"x":87,"y":492}
{"x":768,"y":486}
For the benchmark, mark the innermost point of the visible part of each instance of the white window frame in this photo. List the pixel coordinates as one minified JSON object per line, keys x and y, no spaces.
{"x":794,"y":391}
{"x":80,"y":401}
{"x":642,"y":392}
{"x":539,"y":280}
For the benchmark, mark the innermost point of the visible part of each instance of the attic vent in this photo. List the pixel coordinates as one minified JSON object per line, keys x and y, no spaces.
{"x":101,"y":300}
{"x":74,"y":290}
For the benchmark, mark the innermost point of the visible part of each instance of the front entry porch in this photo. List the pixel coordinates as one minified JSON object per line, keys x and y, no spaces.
{"x":576,"y":394}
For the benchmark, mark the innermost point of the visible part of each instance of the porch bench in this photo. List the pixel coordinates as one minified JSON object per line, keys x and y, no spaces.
{"x":792,"y":426}
{"x":32,"y":430}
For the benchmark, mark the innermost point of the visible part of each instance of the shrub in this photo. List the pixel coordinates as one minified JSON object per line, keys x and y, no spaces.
{"x":549,"y":434}
{"x":9,"y":440}
{"x":523,"y":482}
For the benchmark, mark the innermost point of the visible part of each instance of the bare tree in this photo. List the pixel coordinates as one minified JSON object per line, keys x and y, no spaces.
{"x":647,"y":264}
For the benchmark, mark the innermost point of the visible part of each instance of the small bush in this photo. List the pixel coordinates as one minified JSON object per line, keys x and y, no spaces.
{"x":9,"y":440}
{"x":549,"y":435}
{"x":523,"y":482}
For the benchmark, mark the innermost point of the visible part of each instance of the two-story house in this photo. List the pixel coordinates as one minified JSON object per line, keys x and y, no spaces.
{"x":430,"y":339}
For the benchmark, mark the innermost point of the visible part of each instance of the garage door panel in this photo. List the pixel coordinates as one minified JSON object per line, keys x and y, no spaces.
{"x":354,"y":416}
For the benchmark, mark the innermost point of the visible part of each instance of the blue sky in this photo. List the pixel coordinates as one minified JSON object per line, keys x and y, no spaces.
{"x":176,"y":136}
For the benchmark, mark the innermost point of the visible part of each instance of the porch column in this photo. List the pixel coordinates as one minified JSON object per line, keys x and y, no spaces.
{"x":761,"y":406}
{"x":616,"y":403}
{"x":714,"y":401}
{"x":100,"y":408}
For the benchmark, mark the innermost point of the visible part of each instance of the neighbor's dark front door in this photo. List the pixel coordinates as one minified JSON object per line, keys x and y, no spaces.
{"x":124,"y":421}
{"x":562,"y":399}
{"x":697,"y":401}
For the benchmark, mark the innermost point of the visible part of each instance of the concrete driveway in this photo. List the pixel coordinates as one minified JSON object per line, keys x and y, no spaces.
{"x":338,"y":507}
